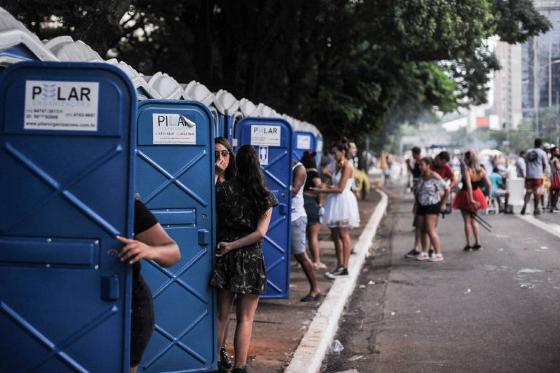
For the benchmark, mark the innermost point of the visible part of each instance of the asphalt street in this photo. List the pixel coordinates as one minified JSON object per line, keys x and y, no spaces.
{"x":497,"y":310}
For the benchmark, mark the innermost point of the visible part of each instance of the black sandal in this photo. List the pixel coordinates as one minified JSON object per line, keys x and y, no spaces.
{"x":467,"y":248}
{"x":225,"y":360}
{"x":311,"y":298}
{"x":476,"y":247}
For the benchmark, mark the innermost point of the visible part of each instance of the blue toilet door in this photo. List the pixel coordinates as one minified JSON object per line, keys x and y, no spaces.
{"x":319,"y":150}
{"x":303,"y":141}
{"x":175,"y":179}
{"x":272,"y":138}
{"x":66,"y":175}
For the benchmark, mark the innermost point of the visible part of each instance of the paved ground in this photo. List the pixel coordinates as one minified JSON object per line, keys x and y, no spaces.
{"x":497,"y":310}
{"x":280,"y":324}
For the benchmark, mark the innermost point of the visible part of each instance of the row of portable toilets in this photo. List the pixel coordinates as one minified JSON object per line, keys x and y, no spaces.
{"x":80,"y":137}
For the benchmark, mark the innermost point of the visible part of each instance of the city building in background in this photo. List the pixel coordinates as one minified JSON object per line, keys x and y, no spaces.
{"x":507,"y":84}
{"x":541,"y":64}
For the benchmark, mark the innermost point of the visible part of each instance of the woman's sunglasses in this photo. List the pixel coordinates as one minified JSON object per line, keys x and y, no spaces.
{"x":222,"y":153}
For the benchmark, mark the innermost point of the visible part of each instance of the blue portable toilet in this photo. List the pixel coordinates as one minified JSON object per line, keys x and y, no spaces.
{"x":66,"y":162}
{"x":303,"y":141}
{"x":18,"y":44}
{"x":199,"y":92}
{"x":175,"y":179}
{"x":227,"y":106}
{"x":319,"y":150}
{"x":273,"y":139}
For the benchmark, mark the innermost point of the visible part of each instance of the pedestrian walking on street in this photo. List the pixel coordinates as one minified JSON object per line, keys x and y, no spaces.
{"x":341,"y":209}
{"x":536,"y":167}
{"x":313,"y":204}
{"x":244,"y":209}
{"x":554,"y":178}
{"x":225,"y":169}
{"x":520,"y":166}
{"x":298,"y":225}
{"x":470,"y":198}
{"x":431,"y":195}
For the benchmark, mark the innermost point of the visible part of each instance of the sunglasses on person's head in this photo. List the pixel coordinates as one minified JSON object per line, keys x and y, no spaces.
{"x":222,"y":153}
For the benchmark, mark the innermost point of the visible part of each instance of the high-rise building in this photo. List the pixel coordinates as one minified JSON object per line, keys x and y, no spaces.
{"x":507,"y":86}
{"x":541,"y":63}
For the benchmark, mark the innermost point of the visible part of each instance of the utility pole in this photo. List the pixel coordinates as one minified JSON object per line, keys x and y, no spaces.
{"x":535,"y":86}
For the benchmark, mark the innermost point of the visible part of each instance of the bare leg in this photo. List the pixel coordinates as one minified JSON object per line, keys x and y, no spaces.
{"x":467,"y":225}
{"x":417,"y":232}
{"x":537,"y":198}
{"x":133,"y":369}
{"x":476,"y":231}
{"x":423,"y":234}
{"x":307,"y":267}
{"x":246,"y":309}
{"x":338,"y":246}
{"x":526,"y":200}
{"x":346,"y":244}
{"x":552,"y":200}
{"x":313,"y":238}
{"x":431,"y":230}
{"x":225,"y":301}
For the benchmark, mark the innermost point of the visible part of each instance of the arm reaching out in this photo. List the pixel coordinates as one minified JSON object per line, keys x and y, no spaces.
{"x":152,"y":244}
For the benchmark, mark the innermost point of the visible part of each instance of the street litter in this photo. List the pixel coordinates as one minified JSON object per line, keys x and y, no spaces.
{"x":362,"y":286}
{"x":530,"y":270}
{"x":468,"y":291}
{"x":336,"y":347}
{"x":526,"y":285}
{"x":544,"y":247}
{"x":355,"y":357}
{"x":393,"y":313}
{"x":371,"y":282}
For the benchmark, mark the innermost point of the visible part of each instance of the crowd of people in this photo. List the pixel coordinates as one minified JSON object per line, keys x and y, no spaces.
{"x":244,"y":207}
{"x":479,"y":186}
{"x":327,"y":196}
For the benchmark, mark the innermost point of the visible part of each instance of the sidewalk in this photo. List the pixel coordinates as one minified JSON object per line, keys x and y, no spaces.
{"x":280,"y":324}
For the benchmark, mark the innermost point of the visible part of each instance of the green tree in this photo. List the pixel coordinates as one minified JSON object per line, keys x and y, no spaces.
{"x":351,"y":67}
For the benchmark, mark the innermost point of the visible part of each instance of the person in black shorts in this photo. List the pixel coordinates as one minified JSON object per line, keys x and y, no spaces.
{"x":151,"y":242}
{"x":313,"y":202}
{"x":431,"y":194}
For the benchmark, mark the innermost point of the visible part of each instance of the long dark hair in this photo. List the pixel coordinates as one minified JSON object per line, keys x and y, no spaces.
{"x":342,"y":146}
{"x":308,"y":159}
{"x":250,"y":178}
{"x":231,"y":169}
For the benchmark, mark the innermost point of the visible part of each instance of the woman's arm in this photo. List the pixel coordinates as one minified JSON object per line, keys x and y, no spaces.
{"x":346,"y":173}
{"x":298,"y":180}
{"x":250,"y":239}
{"x":469,"y":186}
{"x":316,"y":181}
{"x":152,"y":244}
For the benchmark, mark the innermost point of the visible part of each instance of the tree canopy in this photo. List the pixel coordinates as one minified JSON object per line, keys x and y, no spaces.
{"x":351,"y":67}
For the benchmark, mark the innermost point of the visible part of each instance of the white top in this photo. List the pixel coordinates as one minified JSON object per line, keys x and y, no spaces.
{"x":298,"y":210}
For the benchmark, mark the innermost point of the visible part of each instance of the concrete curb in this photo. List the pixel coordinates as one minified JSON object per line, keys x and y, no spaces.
{"x":313,"y":347}
{"x":551,"y":228}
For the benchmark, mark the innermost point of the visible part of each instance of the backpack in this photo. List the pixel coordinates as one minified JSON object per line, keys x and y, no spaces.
{"x":532,"y":156}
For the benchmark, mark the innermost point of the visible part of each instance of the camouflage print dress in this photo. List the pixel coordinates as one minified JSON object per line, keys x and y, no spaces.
{"x":241,"y":271}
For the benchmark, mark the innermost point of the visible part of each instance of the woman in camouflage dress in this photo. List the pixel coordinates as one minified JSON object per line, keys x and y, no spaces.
{"x":244,"y":209}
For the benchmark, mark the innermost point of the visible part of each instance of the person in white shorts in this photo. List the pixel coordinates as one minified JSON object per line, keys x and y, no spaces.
{"x":298,"y":225}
